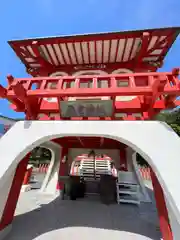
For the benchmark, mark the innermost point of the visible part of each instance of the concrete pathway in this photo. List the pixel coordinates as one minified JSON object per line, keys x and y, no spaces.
{"x":40,"y":217}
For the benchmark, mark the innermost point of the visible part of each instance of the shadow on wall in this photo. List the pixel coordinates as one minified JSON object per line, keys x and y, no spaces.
{"x":27,"y":124}
{"x":169,"y":128}
{"x":60,"y":215}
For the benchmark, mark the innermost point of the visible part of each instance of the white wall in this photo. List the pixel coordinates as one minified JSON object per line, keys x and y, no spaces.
{"x":144,"y":197}
{"x":50,"y":181}
{"x":155,"y":141}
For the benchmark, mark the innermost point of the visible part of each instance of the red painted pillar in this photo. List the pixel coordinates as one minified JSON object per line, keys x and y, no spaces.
{"x":14,"y":192}
{"x":123,"y":160}
{"x":27,"y":176}
{"x":62,"y":167}
{"x":162,"y":209}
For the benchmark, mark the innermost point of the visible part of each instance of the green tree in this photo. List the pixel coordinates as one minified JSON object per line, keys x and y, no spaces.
{"x":140,"y":161}
{"x":40,"y":155}
{"x":172,"y":118}
{"x":176,"y":128}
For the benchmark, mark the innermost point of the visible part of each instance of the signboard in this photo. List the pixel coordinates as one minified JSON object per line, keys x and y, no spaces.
{"x":86,"y":108}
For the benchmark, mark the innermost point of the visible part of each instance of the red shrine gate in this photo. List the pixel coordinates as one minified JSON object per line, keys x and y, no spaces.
{"x":109,"y":76}
{"x":130,"y":57}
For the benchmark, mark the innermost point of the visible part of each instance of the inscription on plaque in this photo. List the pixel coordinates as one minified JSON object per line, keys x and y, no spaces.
{"x":90,"y":66}
{"x":86,"y":108}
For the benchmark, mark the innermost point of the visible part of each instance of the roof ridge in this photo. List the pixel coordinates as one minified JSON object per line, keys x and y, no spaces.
{"x":12,"y":119}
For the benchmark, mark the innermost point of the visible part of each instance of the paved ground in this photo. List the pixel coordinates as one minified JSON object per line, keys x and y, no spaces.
{"x":37,"y":180}
{"x":40,"y":217}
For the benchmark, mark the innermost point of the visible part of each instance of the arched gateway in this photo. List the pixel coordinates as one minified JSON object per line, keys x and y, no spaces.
{"x":73,"y":111}
{"x":161,"y":143}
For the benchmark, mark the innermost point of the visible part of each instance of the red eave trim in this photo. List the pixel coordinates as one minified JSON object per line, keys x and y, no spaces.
{"x":94,"y":36}
{"x":17,"y":44}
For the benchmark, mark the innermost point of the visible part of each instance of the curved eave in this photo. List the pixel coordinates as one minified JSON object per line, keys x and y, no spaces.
{"x":103,"y":48}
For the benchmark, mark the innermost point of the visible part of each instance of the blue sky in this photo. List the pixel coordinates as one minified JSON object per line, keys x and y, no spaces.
{"x":37,"y":18}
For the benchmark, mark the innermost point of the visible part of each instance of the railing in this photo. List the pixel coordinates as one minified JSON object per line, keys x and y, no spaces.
{"x":144,"y":171}
{"x":42,"y":168}
{"x":108,"y":85}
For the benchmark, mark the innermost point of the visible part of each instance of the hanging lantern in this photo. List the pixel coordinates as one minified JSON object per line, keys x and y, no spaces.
{"x":92,"y":154}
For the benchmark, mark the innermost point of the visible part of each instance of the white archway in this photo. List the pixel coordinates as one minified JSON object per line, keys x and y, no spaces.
{"x":51,"y":178}
{"x":155,"y":141}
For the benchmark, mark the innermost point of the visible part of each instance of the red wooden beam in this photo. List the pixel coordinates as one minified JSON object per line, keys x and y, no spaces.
{"x":13,"y":195}
{"x":3,"y":92}
{"x":22,"y":49}
{"x":94,"y":92}
{"x":10,"y":79}
{"x":101,"y":141}
{"x":81,"y":142}
{"x":97,"y":36}
{"x":147,"y":84}
{"x":162,"y":210}
{"x":158,"y":87}
{"x":143,"y":48}
{"x":40,"y":59}
{"x":91,"y":146}
{"x":133,"y":106}
{"x":14,"y":100}
{"x":20,"y":91}
{"x":103,"y":77}
{"x":108,"y":67}
{"x":88,"y":142}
